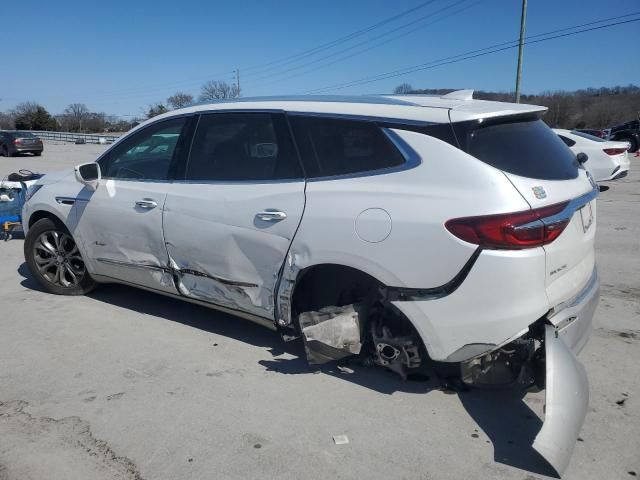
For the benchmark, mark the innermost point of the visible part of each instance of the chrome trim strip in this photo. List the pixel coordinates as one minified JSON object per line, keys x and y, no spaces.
{"x":362,"y":118}
{"x":120,"y":263}
{"x":262,"y":321}
{"x":567,"y":212}
{"x":177,"y":271}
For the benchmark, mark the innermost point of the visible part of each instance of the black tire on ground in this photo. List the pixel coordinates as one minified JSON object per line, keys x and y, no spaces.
{"x":37,"y":154}
{"x":54,"y":260}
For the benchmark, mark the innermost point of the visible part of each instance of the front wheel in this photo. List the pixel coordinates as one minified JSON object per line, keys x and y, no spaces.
{"x":54,"y":260}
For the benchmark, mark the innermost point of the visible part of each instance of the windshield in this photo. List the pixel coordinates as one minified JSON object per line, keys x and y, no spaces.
{"x":528,"y":148}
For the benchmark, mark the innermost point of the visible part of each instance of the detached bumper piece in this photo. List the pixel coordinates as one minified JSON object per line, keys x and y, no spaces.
{"x":567,"y":399}
{"x":546,"y":357}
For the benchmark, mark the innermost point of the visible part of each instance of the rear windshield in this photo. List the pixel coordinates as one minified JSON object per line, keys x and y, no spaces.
{"x":527,"y":148}
{"x":24,"y":134}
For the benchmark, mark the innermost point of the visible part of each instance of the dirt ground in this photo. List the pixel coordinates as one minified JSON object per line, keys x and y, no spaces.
{"x":125,"y":384}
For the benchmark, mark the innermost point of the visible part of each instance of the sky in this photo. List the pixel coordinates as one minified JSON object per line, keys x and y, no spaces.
{"x":121,"y":56}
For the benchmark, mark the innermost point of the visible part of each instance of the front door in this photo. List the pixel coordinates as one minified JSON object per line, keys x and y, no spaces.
{"x":229,"y":224}
{"x":120,"y":224}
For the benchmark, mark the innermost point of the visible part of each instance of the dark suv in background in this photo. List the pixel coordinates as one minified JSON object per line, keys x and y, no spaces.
{"x":627,"y":132}
{"x":13,"y":143}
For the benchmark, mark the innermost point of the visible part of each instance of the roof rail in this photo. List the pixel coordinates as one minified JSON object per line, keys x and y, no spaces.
{"x":459,"y":95}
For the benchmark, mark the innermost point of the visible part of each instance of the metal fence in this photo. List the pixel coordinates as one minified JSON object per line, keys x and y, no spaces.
{"x":73,"y":137}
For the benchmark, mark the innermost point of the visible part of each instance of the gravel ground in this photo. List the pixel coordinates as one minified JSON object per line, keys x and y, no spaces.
{"x":125,"y":384}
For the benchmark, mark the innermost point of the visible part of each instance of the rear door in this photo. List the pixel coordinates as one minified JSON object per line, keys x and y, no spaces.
{"x":545,"y":172}
{"x":229,"y":223}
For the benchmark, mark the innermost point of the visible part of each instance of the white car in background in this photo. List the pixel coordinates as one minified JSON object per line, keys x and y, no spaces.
{"x":608,"y":160}
{"x":409,"y":230}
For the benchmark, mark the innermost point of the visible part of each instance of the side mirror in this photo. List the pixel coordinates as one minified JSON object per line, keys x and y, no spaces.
{"x":582,"y":158}
{"x":88,"y":174}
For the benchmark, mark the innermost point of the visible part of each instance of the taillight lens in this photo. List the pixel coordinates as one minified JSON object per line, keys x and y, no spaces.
{"x":17,"y":140}
{"x":614,"y":151}
{"x":510,"y":231}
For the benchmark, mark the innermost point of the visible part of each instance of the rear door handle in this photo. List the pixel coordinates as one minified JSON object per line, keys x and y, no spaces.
{"x":271,"y":215}
{"x":146,"y":203}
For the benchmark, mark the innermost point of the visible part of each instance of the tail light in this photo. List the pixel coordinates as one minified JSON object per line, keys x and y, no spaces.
{"x":614,"y":151}
{"x":17,"y":140}
{"x":511,"y":231}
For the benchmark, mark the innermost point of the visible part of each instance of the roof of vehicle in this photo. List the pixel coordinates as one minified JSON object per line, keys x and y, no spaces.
{"x":421,"y":108}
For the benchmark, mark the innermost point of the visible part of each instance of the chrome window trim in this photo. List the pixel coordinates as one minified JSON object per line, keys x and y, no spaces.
{"x":363,"y":118}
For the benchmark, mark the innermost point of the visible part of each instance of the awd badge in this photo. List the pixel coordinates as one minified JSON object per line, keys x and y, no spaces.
{"x":539,"y":192}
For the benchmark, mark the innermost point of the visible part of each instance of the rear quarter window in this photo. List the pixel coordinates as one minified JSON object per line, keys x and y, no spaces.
{"x":528,"y":148}
{"x":333,"y":147}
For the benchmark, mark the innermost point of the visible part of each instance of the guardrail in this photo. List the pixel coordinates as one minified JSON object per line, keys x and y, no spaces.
{"x":73,"y":137}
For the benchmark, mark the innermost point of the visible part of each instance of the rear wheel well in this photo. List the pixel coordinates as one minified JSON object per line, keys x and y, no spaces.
{"x":387,"y":336}
{"x":331,"y":285}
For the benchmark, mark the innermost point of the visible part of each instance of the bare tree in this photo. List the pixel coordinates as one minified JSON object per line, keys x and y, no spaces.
{"x":403,"y":89}
{"x":7,"y":121}
{"x":215,"y":90}
{"x":77,"y":112}
{"x":180,"y":100}
{"x":156,"y":109}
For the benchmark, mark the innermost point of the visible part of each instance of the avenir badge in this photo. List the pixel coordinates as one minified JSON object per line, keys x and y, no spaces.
{"x":539,"y":192}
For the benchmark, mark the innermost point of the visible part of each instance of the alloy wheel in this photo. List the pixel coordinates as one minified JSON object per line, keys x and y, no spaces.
{"x":58,"y":259}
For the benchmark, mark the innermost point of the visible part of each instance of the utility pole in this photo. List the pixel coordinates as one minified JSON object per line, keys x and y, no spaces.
{"x":523,"y":19}
{"x":237,"y":72}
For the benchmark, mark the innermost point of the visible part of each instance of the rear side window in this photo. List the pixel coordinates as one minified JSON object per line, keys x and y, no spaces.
{"x":332,"y":147}
{"x":242,"y":147}
{"x":526,"y":148}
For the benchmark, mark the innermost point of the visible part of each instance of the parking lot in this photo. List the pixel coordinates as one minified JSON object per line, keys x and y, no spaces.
{"x":126,"y":384}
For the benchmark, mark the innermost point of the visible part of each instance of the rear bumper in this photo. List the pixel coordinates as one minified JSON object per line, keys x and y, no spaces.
{"x":29,"y":148}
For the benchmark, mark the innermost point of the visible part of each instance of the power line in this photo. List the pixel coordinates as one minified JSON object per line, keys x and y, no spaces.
{"x":328,"y":45}
{"x":465,"y":56}
{"x":359,"y":52}
{"x":384,"y":34}
{"x":269,"y":65}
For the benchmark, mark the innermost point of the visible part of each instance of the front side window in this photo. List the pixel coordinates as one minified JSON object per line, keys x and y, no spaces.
{"x":333,"y":147}
{"x":146,"y":155}
{"x":242,"y":147}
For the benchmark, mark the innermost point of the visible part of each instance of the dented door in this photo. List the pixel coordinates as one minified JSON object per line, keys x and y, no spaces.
{"x":120,"y":224}
{"x":228,"y":225}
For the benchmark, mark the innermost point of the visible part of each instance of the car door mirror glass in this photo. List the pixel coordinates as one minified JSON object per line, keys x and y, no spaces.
{"x":88,"y":174}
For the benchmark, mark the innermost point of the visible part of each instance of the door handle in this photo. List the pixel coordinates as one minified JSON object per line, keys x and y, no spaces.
{"x":146,"y":203}
{"x":271,"y":215}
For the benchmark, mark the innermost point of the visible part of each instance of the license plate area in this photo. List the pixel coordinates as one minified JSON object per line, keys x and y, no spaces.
{"x":586,"y":217}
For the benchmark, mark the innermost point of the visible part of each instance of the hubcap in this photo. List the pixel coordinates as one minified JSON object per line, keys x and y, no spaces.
{"x":58,"y":259}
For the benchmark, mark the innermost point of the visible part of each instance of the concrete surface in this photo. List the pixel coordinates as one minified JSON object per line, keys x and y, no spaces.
{"x":125,"y":384}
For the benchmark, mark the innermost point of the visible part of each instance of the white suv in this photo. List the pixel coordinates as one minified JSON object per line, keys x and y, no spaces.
{"x":404,"y":229}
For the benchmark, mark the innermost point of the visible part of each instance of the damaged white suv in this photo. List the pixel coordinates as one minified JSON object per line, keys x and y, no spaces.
{"x":404,"y":229}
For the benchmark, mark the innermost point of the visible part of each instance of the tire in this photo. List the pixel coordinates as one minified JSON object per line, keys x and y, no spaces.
{"x":54,"y":260}
{"x":37,"y":154}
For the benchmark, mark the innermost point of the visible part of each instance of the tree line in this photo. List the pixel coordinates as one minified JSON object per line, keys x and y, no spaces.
{"x":78,"y":118}
{"x":584,"y":108}
{"x":596,"y":108}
